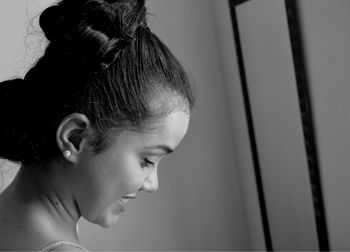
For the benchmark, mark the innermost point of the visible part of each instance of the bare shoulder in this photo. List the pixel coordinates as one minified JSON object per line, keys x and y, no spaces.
{"x":68,"y":247}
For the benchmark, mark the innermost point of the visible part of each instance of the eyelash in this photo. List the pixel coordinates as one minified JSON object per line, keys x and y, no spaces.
{"x":147,"y":163}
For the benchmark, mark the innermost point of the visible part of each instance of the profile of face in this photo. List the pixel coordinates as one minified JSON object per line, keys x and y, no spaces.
{"x":103,"y":183}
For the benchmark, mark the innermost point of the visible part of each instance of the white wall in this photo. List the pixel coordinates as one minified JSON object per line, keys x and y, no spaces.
{"x":326,"y":37}
{"x":237,"y":113}
{"x":278,"y":130}
{"x":272,"y":88}
{"x":199,"y":205}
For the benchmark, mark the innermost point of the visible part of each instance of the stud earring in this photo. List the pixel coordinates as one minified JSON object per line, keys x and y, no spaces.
{"x":67,"y":153}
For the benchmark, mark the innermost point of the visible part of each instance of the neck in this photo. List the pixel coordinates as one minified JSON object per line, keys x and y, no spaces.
{"x":49,"y":194}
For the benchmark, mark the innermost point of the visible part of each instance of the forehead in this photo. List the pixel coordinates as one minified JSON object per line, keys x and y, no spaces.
{"x":174,"y":124}
{"x":169,"y":130}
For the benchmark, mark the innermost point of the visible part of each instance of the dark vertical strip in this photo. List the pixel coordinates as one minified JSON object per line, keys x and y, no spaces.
{"x":307,"y":122}
{"x":252,"y":138}
{"x":237,"y":2}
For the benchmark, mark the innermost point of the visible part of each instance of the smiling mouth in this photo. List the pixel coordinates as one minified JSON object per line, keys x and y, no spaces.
{"x":123,"y":201}
{"x":125,"y":198}
{"x":130,"y":196}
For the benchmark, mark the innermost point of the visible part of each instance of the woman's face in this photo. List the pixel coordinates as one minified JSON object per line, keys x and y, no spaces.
{"x":103,"y":183}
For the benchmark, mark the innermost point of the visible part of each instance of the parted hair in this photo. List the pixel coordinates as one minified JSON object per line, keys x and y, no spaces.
{"x":103,"y":61}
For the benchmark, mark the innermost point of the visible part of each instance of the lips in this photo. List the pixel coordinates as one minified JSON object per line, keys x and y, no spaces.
{"x":130,"y":196}
{"x":125,"y":198}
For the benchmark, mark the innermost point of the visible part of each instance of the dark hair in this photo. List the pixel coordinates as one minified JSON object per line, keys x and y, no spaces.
{"x":102,"y":60}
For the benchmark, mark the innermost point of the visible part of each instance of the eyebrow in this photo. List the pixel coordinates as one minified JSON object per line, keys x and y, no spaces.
{"x":165,"y":148}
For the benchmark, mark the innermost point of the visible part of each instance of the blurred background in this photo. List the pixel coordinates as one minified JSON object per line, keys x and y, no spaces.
{"x":265,"y":162}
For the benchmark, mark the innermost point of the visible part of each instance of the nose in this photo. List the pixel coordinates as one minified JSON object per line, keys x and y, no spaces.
{"x":151,"y":182}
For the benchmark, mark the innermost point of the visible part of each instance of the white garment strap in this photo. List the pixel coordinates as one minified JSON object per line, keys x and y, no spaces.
{"x":54,"y":245}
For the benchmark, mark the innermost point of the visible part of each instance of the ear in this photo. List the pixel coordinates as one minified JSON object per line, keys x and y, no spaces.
{"x":72,"y":135}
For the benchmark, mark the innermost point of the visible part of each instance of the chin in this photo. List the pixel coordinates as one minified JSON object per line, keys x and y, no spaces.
{"x":107,"y":223}
{"x":107,"y":220}
{"x":108,"y":217}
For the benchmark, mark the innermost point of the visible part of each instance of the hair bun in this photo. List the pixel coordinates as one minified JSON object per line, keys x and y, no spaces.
{"x":92,"y":31}
{"x":50,"y":22}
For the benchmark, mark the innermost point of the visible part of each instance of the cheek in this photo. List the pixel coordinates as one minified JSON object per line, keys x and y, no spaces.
{"x":130,"y":177}
{"x":102,"y":183}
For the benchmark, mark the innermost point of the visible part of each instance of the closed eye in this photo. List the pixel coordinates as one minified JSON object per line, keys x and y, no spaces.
{"x":147,"y":163}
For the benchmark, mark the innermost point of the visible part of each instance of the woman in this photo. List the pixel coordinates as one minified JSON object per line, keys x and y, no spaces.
{"x":89,"y":123}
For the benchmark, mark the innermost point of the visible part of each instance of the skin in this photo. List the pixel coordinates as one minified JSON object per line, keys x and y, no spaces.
{"x":37,"y":210}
